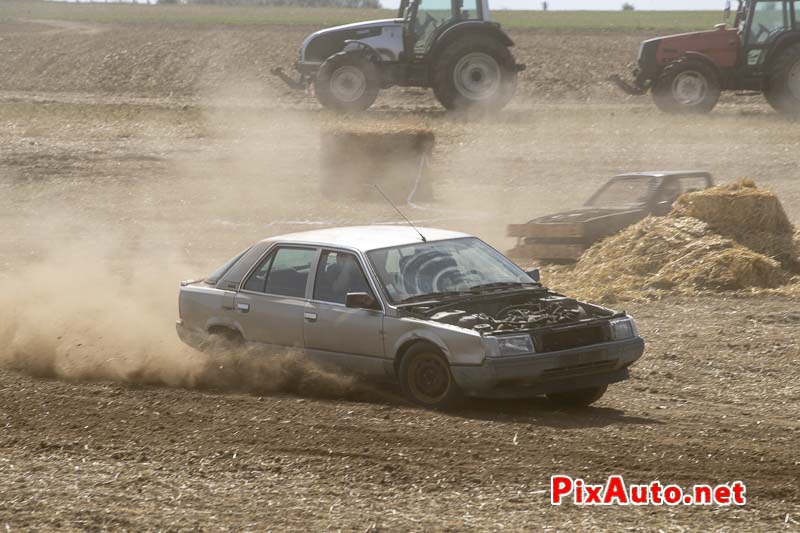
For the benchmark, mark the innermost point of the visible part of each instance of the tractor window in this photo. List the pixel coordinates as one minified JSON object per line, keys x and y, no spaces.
{"x":769,"y":19}
{"x":431,"y":15}
{"x":470,"y":10}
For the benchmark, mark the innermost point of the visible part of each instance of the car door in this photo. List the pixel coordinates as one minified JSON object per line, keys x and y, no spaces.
{"x":348,"y":338}
{"x":272,"y":299}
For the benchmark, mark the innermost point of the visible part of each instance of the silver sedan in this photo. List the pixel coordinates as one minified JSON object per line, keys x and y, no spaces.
{"x":441,"y":313}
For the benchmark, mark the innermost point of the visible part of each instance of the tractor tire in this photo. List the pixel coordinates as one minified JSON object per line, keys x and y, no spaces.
{"x":347,"y":82}
{"x":783,"y":84}
{"x":475,"y":74}
{"x":426,"y":380}
{"x":578,"y":398}
{"x":687,"y":86}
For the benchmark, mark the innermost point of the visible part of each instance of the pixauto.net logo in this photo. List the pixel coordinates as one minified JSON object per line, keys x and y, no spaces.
{"x":615,"y":492}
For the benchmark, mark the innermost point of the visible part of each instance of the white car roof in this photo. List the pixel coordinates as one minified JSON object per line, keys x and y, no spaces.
{"x":366,"y":238}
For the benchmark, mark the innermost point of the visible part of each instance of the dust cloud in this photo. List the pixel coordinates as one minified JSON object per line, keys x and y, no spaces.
{"x":76,"y":315}
{"x":90,"y":289}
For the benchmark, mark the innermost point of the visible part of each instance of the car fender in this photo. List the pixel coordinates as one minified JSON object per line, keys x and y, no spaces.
{"x":460,"y":346}
{"x":224,"y":322}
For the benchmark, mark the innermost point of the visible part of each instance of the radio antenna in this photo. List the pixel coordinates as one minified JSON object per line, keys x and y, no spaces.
{"x":421,"y":236}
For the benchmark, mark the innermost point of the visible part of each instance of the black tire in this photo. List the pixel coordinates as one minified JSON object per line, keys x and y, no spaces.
{"x":783,"y":84}
{"x":347,"y":82}
{"x":687,"y":86}
{"x":465,"y":72}
{"x":578,"y":398}
{"x":426,"y":380}
{"x":222,"y":340}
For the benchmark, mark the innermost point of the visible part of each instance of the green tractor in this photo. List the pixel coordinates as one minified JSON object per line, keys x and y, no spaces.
{"x":450,"y":46}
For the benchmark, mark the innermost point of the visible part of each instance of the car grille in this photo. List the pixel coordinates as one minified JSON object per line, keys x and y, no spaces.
{"x":553,"y":341}
{"x":596,"y":367}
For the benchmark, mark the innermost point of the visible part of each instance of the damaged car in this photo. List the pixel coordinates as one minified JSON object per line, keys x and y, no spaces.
{"x":441,"y":313}
{"x":621,"y":202}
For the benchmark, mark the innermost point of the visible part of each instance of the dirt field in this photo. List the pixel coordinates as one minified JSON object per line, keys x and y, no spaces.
{"x":133,"y":157}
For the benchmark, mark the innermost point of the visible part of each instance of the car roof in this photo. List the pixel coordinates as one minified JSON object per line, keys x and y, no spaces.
{"x":366,"y":238}
{"x":664,"y":174}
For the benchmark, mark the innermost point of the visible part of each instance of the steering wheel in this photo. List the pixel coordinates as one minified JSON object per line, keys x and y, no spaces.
{"x":761,"y":31}
{"x":425,"y":23}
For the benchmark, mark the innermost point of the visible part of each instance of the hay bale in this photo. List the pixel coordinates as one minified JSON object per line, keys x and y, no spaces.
{"x":720,"y":268}
{"x":394,"y":158}
{"x":669,"y":255}
{"x":751,"y":216}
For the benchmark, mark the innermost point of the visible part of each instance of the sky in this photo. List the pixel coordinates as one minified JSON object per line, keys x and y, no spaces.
{"x":600,"y":4}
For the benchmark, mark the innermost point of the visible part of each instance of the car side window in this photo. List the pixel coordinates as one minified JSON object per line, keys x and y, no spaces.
{"x":258,"y":279}
{"x":693,"y":184}
{"x":669,"y":192}
{"x":339,"y":273}
{"x":283,"y":273}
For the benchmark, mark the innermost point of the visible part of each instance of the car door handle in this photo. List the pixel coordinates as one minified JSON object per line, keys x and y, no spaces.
{"x":310,"y":317}
{"x":242,"y":307}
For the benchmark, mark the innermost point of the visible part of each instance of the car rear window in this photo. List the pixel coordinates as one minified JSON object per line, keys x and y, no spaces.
{"x":215,"y":276}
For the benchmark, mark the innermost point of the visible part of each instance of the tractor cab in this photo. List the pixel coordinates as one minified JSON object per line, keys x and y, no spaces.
{"x":761,"y":25}
{"x":427,"y":19}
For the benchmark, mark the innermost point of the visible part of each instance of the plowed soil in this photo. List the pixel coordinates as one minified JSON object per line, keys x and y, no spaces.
{"x":133,"y":157}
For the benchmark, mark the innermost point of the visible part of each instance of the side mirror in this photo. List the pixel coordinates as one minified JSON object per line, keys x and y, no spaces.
{"x":360,"y":300}
{"x":534,"y":275}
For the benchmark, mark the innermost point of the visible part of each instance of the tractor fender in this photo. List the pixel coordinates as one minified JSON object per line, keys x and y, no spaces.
{"x":470,"y":27}
{"x":360,"y":47}
{"x":705,"y":59}
{"x":782,"y":43}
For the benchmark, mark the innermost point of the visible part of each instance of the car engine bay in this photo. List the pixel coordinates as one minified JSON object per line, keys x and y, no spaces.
{"x":516,"y":312}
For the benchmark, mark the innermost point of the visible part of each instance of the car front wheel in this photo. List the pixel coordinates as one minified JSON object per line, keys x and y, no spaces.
{"x":426,"y":380}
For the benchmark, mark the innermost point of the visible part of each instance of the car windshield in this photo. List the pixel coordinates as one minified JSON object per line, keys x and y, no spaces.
{"x":441,"y":268}
{"x":623,"y":191}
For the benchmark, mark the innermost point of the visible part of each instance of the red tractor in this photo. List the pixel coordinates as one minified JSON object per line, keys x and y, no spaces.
{"x":686,"y":73}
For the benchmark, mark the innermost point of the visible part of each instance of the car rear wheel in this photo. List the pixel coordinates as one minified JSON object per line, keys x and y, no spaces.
{"x":222,"y":340}
{"x":687,"y":86}
{"x":579,"y":397}
{"x":426,"y":380}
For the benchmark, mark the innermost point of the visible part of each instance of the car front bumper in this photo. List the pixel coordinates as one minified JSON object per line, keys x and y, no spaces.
{"x":535,"y":374}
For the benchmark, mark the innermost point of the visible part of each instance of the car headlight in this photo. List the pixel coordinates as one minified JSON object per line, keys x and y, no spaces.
{"x":515,"y":345}
{"x":622,"y":328}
